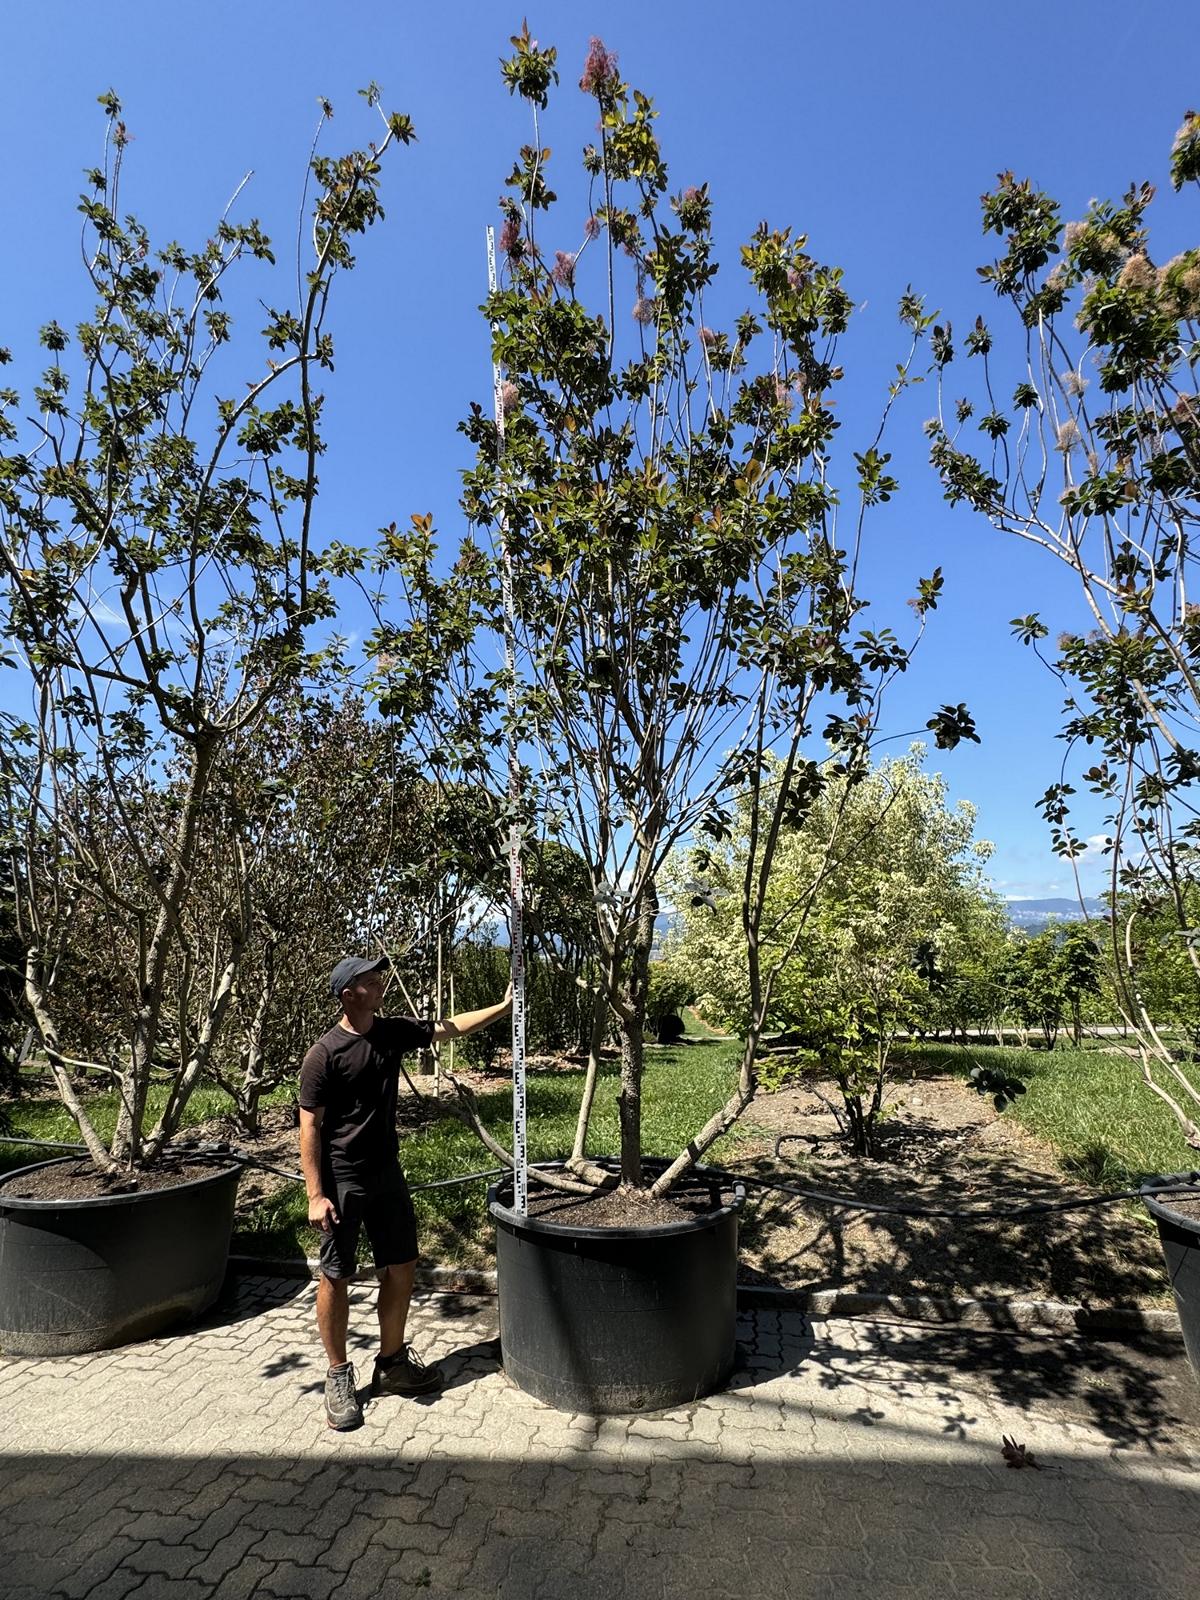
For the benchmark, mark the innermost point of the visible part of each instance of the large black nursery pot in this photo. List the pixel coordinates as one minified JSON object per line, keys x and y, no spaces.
{"x":87,"y":1274}
{"x":610,"y":1320}
{"x":1180,"y":1237}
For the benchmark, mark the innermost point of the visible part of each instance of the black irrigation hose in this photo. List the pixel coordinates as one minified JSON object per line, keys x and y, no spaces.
{"x":44,"y":1144}
{"x":1185,"y":1184}
{"x":468,"y":1177}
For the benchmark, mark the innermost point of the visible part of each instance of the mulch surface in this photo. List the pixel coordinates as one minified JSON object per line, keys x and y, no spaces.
{"x":79,"y":1180}
{"x":1187,"y":1205}
{"x":623,"y":1208}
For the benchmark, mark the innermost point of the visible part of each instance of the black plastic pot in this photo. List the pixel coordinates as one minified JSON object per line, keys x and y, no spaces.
{"x":80,"y":1275}
{"x":607,"y":1320}
{"x":1180,"y":1238}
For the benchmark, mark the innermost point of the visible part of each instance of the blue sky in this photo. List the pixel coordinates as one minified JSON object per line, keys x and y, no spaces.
{"x":873,"y":127}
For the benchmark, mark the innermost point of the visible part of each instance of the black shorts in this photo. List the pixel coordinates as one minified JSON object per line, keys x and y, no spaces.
{"x":380,"y":1203}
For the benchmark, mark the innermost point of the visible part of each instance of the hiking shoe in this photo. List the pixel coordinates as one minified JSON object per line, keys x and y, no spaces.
{"x":342,"y":1410}
{"x":405,"y":1373}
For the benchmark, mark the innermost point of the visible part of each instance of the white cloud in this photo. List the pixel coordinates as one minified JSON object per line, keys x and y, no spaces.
{"x":1095,"y":847}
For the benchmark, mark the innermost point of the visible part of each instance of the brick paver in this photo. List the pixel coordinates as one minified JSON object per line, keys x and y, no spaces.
{"x":847,"y":1459}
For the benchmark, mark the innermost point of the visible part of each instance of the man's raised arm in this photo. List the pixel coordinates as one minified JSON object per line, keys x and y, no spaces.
{"x":471,"y":1021}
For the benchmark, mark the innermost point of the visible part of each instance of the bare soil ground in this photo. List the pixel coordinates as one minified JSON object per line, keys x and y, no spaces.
{"x":945,"y":1146}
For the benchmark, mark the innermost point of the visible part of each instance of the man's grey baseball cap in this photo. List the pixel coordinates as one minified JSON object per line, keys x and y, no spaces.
{"x":351,"y":967}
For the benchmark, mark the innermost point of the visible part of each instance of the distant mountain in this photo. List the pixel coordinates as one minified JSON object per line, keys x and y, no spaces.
{"x":1034,"y":915}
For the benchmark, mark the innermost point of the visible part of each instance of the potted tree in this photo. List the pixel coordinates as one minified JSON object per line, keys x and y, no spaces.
{"x":162,"y":588}
{"x":1096,"y":462}
{"x":658,"y":476}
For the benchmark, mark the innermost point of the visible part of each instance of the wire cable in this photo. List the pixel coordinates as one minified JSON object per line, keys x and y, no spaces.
{"x":1181,"y":1184}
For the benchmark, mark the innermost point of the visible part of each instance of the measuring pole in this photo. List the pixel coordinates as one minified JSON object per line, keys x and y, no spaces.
{"x":515,"y":885}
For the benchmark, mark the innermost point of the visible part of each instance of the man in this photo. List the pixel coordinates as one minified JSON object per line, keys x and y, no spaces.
{"x":350,"y":1157}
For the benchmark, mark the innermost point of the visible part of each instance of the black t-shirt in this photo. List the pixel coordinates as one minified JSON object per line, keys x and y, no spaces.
{"x":355,"y":1077}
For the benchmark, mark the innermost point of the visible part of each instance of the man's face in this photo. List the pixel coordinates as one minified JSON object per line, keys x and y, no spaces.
{"x":366,"y":991}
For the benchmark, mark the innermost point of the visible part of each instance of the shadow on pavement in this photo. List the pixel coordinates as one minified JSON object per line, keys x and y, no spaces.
{"x":476,"y":1357}
{"x":1138,"y":1389}
{"x":915,"y":1519}
{"x":873,"y":1472}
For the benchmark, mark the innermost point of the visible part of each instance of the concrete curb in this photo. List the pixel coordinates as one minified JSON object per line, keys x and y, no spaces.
{"x":996,"y":1316}
{"x":1019,"y":1316}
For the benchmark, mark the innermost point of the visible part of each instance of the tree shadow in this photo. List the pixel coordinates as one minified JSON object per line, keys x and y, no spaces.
{"x":1104,"y":1255}
{"x":1137,"y":1389}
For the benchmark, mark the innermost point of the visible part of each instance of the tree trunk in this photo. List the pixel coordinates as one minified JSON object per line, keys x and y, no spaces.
{"x":629,"y":1104}
{"x":588,"y":1004}
{"x":633,"y":1023}
{"x":62,"y":1077}
{"x":858,"y":1124}
{"x":253,"y":1072}
{"x":181,"y":1089}
{"x":595,"y":1045}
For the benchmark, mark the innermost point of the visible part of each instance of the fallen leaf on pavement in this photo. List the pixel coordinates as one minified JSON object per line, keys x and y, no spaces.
{"x":1016,"y":1455}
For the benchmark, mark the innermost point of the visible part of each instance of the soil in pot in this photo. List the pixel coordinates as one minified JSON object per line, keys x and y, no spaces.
{"x":80,"y":1180}
{"x":1187,"y":1205}
{"x":626,"y":1208}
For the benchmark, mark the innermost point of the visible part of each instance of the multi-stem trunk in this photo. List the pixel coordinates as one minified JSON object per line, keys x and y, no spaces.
{"x":48,"y":1030}
{"x":126,"y":1146}
{"x":253,"y":1082}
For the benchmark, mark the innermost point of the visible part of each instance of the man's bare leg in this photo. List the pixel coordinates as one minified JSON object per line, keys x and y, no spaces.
{"x":395,"y":1292}
{"x":333,"y":1317}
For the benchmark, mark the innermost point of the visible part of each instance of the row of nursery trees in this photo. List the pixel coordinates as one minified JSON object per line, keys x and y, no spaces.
{"x":206,"y":791}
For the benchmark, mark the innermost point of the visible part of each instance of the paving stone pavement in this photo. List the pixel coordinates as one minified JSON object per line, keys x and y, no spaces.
{"x":847,"y":1459}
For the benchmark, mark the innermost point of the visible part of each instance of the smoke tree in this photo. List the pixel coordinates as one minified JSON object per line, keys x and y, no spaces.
{"x":162,"y":583}
{"x":1082,"y":438}
{"x":684,"y":575}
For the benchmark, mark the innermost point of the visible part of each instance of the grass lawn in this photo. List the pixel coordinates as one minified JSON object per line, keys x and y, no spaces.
{"x":47,"y":1119}
{"x":1091,"y":1105}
